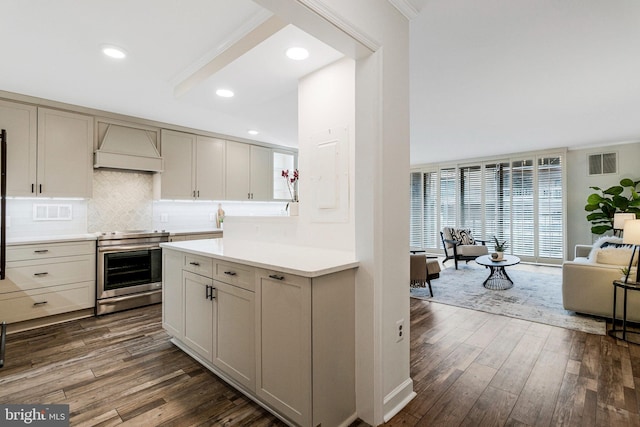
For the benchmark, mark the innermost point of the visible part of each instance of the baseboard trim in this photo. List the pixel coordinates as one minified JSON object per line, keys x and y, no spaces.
{"x":40,"y":322}
{"x":398,"y":399}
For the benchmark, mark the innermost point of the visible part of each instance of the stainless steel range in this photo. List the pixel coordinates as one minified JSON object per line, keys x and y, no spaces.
{"x":129,"y":269}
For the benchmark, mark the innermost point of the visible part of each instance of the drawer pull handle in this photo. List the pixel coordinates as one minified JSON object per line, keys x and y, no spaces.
{"x":197,"y":264}
{"x":210,"y":293}
{"x":40,"y":274}
{"x":276,"y":277}
{"x":41,"y":251}
{"x":35,"y":304}
{"x":230,"y":273}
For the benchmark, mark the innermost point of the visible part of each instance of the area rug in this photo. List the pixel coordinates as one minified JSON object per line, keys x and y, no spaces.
{"x":536,"y":296}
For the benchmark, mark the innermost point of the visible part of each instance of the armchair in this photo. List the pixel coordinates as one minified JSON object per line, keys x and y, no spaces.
{"x":459,"y":245}
{"x":422,"y":270}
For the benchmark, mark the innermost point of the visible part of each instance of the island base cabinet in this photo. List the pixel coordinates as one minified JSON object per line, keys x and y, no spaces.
{"x":306,"y":353}
{"x":235,"y":333}
{"x":172,"y":306}
{"x":198,"y":314}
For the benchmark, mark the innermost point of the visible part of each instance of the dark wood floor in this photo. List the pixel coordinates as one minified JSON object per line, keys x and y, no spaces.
{"x":469,"y":369}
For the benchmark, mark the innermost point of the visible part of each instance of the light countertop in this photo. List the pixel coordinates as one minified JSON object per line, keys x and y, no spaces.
{"x":180,"y":232}
{"x":51,"y":239}
{"x":300,"y":260}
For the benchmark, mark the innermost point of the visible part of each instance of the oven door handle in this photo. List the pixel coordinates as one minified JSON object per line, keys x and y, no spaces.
{"x":106,"y":249}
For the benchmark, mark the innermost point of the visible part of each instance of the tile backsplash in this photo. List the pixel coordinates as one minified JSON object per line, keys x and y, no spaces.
{"x":124,"y":201}
{"x":121,"y":201}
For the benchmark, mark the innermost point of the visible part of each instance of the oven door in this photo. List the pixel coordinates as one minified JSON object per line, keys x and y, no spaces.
{"x":126,"y":270}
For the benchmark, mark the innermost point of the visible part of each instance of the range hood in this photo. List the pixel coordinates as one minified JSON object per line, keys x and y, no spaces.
{"x":127,"y":148}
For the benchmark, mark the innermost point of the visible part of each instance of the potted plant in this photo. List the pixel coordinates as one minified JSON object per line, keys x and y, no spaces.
{"x":292,"y":185}
{"x":602,"y":207}
{"x":499,"y":249}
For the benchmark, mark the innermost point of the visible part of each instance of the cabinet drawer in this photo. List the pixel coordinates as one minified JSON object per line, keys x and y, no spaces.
{"x":199,"y":265}
{"x":49,"y":250}
{"x":19,"y":306}
{"x":236,"y":274}
{"x":24,"y":275}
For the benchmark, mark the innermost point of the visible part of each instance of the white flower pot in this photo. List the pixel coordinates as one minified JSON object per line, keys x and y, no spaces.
{"x":294,"y":208}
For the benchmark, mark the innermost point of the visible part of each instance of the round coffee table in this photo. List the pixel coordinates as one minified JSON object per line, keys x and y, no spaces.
{"x":498,"y":279}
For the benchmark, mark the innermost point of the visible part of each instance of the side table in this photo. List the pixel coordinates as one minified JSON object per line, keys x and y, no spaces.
{"x":626,"y":287}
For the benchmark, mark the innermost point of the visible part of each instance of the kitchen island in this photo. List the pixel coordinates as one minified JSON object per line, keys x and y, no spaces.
{"x":275,"y":321}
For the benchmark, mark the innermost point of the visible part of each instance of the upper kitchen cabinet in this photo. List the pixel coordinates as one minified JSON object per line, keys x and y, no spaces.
{"x":21,"y":124}
{"x":49,"y":152}
{"x":65,"y":154}
{"x":248,"y":172}
{"x":193,"y":166}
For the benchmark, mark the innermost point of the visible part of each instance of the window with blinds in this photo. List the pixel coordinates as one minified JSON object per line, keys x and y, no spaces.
{"x":470,"y":195}
{"x":520,"y":200}
{"x":448,"y":197}
{"x":550,"y":207}
{"x":423,"y":221}
{"x":496,"y":179}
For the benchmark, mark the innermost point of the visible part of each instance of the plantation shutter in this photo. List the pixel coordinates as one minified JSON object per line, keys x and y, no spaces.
{"x":471,"y":199}
{"x":496,"y":210}
{"x":448,"y":191}
{"x":550,"y":207}
{"x":431,"y":232}
{"x":416,"y":210}
{"x":522,"y":208}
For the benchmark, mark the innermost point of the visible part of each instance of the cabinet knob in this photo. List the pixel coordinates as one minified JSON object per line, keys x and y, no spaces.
{"x":230,"y":273}
{"x":276,"y":277}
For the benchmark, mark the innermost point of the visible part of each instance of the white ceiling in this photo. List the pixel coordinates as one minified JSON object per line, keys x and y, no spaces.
{"x":51,"y":49}
{"x":501,"y":76}
{"x":488,"y":77}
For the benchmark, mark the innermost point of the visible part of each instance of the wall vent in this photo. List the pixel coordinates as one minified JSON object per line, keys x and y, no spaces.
{"x":603,"y":163}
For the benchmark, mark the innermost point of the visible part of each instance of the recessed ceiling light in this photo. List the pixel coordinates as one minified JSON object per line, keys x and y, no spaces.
{"x":224,"y":93}
{"x":114,"y":52}
{"x":297,"y":53}
{"x":253,"y":132}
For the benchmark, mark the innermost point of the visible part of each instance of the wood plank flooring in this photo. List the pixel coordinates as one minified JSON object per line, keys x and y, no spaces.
{"x":469,"y":369}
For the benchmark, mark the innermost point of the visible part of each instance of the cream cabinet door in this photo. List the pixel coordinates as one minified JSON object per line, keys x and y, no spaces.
{"x":261,"y":173}
{"x":172,"y":302}
{"x":198,"y":314}
{"x":284,"y":373}
{"x":21,"y":124}
{"x":237,"y":174}
{"x":177,"y":181}
{"x":235,"y":333}
{"x":209,"y":159}
{"x":65,"y":153}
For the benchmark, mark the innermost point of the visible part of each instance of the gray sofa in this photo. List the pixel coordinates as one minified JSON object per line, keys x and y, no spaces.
{"x":587,"y":281}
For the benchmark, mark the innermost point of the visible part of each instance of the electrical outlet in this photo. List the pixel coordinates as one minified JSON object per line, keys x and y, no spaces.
{"x":164,"y":217}
{"x":400,"y":330}
{"x":212,"y":217}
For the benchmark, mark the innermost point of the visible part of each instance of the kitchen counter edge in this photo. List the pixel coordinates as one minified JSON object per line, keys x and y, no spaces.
{"x":278,"y":257}
{"x":34,"y":240}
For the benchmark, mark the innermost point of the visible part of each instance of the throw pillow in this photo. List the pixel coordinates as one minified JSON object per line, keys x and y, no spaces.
{"x":465,"y":236}
{"x":614,"y":256}
{"x":602,"y":242}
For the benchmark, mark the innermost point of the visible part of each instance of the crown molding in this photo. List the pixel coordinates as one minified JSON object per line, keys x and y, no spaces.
{"x":406,"y":8}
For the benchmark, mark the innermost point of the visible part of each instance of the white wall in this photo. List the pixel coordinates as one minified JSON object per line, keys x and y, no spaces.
{"x":381,"y":193}
{"x":579,"y":181}
{"x":326,"y":100}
